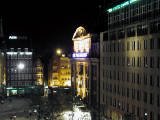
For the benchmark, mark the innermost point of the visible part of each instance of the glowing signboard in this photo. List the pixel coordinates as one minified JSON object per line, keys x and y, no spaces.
{"x":122,"y":5}
{"x":82,"y":43}
{"x":13,"y":37}
{"x":79,"y":55}
{"x":82,"y":40}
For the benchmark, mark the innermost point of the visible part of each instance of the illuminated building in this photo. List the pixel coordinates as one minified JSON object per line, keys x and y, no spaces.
{"x":130,"y":61}
{"x":59,"y":71}
{"x":82,"y":45}
{"x":19,"y":67}
{"x":39,"y":73}
{"x":2,"y":61}
{"x":2,"y":72}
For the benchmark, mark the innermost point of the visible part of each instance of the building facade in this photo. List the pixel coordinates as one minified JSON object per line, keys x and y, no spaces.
{"x":2,"y":72}
{"x":19,"y":70}
{"x":80,"y":62}
{"x":39,"y":78}
{"x":130,"y":61}
{"x":60,"y":71}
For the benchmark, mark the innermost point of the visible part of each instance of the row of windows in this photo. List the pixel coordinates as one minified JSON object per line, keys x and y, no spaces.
{"x":133,"y":77}
{"x":132,"y":45}
{"x":66,"y":78}
{"x":142,"y":113}
{"x":19,"y":77}
{"x":19,"y":83}
{"x":65,"y":73}
{"x":134,"y":94}
{"x":19,"y":57}
{"x":131,"y":14}
{"x":38,"y":70}
{"x":38,"y":76}
{"x":141,"y":29}
{"x":139,"y":61}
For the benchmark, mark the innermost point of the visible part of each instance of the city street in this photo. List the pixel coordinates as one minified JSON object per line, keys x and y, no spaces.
{"x":60,"y":105}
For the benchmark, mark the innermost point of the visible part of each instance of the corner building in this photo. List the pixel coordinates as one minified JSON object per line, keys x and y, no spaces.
{"x":131,"y":61}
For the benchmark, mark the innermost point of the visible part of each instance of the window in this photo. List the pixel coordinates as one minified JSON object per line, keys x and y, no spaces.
{"x":133,"y":93}
{"x":158,"y":83}
{"x":133,"y":45}
{"x":151,"y":43}
{"x":158,"y":62}
{"x":151,"y":116}
{"x":138,"y":95}
{"x":128,"y":61}
{"x":138,"y":45}
{"x":128,"y":92}
{"x":158,"y":100}
{"x":138,"y":111}
{"x":133,"y":77}
{"x":145,"y":79}
{"x":142,"y":30}
{"x":127,"y":76}
{"x":138,"y":79}
{"x":131,"y":32}
{"x":128,"y":45}
{"x":145,"y":97}
{"x":151,"y":81}
{"x":145,"y":61}
{"x":139,"y":62}
{"x":151,"y":99}
{"x":158,"y":43}
{"x":127,"y":107}
{"x":151,"y":62}
{"x":133,"y":109}
{"x":158,"y":116}
{"x":118,"y":75}
{"x":145,"y":44}
{"x":121,"y":34}
{"x":133,"y":61}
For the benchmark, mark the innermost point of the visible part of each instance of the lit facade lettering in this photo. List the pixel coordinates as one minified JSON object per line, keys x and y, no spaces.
{"x":121,"y":5}
{"x":79,"y":55}
{"x":82,"y":42}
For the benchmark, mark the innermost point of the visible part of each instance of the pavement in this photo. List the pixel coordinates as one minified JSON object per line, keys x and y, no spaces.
{"x":17,"y":106}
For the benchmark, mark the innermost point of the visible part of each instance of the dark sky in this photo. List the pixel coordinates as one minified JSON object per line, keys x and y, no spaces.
{"x":49,"y":24}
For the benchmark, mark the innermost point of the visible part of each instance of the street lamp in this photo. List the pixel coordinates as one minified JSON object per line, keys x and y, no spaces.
{"x":59,"y":51}
{"x":20,"y":66}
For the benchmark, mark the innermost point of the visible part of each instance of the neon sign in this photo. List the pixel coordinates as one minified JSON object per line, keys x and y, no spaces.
{"x":121,"y":5}
{"x":13,"y":37}
{"x":82,"y":41}
{"x":79,"y":55}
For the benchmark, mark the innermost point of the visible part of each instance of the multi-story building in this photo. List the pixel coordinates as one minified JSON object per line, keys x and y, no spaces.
{"x":130,"y":61}
{"x":19,"y":70}
{"x":59,"y":71}
{"x":39,"y":78}
{"x":80,"y":62}
{"x":94,"y":76}
{"x":2,"y":72}
{"x":2,"y":61}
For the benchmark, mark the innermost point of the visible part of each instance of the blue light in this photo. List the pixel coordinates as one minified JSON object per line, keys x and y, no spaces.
{"x":79,"y":55}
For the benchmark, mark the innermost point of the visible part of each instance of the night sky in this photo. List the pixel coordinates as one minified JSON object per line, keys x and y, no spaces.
{"x":50,"y":25}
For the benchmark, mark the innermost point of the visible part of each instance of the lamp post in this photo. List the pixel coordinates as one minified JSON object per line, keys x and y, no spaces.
{"x":59,"y":52}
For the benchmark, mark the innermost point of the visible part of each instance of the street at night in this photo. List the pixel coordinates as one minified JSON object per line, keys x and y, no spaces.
{"x":80,"y":60}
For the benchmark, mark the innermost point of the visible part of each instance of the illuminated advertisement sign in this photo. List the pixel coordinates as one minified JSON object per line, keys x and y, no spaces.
{"x":82,"y":43}
{"x":79,"y":55}
{"x":122,"y":5}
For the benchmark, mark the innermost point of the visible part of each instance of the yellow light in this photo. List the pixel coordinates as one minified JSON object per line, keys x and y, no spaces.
{"x":59,"y":51}
{"x":82,"y":40}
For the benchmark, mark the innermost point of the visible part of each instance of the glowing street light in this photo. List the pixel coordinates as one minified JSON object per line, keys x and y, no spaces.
{"x":59,"y":51}
{"x":21,"y":66}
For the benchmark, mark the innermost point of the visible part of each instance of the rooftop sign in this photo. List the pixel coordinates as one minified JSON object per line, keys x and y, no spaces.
{"x":121,"y":5}
{"x":82,"y":43}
